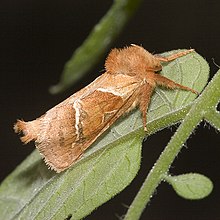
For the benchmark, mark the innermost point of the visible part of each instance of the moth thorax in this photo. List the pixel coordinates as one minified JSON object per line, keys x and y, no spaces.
{"x":131,"y":61}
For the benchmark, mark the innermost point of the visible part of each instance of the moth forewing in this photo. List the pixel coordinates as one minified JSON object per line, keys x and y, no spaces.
{"x":68,"y":129}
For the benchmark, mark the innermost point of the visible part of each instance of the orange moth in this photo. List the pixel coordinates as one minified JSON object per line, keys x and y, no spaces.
{"x":64,"y":132}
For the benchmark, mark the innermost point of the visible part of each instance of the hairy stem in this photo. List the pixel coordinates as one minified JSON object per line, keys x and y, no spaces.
{"x":213,"y":118}
{"x":208,"y":100}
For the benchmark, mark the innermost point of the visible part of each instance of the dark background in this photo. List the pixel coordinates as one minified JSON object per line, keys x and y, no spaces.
{"x":38,"y":37}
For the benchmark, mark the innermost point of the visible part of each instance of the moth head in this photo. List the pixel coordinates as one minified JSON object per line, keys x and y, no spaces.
{"x":133,"y":60}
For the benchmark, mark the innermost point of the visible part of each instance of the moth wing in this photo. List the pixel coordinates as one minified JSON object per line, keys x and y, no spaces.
{"x":54,"y":133}
{"x":74,"y":129}
{"x":68,"y":129}
{"x":56,"y":137}
{"x":102,"y":107}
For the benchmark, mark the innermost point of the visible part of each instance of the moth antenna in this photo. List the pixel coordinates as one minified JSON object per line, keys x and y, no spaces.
{"x":29,"y":130}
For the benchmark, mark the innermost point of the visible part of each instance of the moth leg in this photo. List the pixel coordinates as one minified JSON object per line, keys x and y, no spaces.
{"x":163,"y":81}
{"x":173,"y":56}
{"x":145,"y":96}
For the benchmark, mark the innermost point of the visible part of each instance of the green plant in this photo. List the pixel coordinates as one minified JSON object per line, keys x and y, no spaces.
{"x":34,"y":192}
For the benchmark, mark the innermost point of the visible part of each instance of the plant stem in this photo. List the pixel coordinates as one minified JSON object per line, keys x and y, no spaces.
{"x":96,"y":44}
{"x":208,"y":100}
{"x":213,"y":118}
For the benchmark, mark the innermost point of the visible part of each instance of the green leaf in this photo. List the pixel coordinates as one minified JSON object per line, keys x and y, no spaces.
{"x":191,"y":185}
{"x":34,"y":192}
{"x":45,"y":195}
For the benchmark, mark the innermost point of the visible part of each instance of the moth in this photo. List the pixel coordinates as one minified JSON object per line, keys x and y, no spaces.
{"x":64,"y":132}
